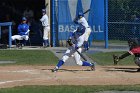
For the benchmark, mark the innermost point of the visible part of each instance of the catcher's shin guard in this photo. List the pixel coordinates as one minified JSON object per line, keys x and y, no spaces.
{"x":124,"y":55}
{"x":138,"y":70}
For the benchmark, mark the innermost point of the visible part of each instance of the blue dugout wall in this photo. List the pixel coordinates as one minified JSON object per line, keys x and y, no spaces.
{"x":96,"y":17}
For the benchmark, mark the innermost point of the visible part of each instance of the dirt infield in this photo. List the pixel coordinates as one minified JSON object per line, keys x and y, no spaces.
{"x":11,"y":76}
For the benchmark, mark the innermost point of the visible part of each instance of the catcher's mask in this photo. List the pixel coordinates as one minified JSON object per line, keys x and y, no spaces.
{"x":133,"y":43}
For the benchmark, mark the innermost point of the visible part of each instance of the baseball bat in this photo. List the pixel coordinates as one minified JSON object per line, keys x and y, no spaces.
{"x":82,"y":56}
{"x":83,"y":13}
{"x":86,"y":11}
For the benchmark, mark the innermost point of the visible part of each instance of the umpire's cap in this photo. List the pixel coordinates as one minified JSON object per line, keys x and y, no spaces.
{"x":24,"y":19}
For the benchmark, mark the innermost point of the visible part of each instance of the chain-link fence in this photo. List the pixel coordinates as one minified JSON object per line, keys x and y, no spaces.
{"x":123,"y":20}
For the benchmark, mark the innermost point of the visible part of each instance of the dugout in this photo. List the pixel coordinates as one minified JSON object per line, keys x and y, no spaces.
{"x":13,"y":10}
{"x":62,"y":14}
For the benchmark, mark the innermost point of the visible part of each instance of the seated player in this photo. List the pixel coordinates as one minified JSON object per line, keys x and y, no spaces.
{"x":75,"y":41}
{"x":134,"y":50}
{"x":23,"y":32}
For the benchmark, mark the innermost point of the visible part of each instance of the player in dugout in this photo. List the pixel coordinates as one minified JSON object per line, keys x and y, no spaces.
{"x":23,"y":33}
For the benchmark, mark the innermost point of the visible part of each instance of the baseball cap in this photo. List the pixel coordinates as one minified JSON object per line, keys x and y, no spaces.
{"x":43,"y":10}
{"x":24,"y":19}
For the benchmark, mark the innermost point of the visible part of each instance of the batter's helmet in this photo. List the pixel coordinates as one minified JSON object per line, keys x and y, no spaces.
{"x":80,"y":14}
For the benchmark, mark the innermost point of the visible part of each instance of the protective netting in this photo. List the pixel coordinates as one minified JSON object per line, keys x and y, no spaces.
{"x":123,"y":19}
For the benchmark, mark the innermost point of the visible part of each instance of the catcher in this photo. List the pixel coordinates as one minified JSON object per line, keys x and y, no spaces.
{"x":134,"y":50}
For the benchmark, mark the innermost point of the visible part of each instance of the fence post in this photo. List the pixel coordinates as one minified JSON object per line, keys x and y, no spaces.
{"x":106,"y":23}
{"x":9,"y":24}
{"x":0,"y":32}
{"x":10,"y":34}
{"x":53,"y":23}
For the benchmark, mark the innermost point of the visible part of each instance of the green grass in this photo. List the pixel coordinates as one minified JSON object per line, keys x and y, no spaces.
{"x":68,"y":89}
{"x":29,"y":57}
{"x":107,"y":59}
{"x":45,"y":57}
{"x":118,"y":42}
{"x":112,"y":41}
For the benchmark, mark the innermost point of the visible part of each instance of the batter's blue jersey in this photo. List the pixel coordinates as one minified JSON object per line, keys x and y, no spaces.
{"x":22,"y":29}
{"x":78,"y":32}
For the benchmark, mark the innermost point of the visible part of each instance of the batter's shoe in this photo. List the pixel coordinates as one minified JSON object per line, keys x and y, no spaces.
{"x":115,"y":59}
{"x":55,"y":69}
{"x":92,"y":67}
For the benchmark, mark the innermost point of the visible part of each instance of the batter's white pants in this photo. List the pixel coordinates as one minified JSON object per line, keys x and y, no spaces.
{"x":87,"y":33}
{"x":46,"y":32}
{"x":72,"y":53}
{"x":19,"y":37}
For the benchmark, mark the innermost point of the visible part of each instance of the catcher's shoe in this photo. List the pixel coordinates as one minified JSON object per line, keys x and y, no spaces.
{"x":92,"y":67}
{"x":138,"y":70}
{"x":116,"y":59}
{"x":55,"y":69}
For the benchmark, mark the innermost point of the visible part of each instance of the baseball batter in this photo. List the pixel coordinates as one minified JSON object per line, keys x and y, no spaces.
{"x":134,"y":50}
{"x":46,"y":28}
{"x":81,"y":20}
{"x":23,"y":30}
{"x":76,"y":41}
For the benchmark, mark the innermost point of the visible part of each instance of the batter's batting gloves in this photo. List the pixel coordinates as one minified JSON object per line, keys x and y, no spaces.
{"x":115,"y":59}
{"x":69,"y":41}
{"x":76,"y":47}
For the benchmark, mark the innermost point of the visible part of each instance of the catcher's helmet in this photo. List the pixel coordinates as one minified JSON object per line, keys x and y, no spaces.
{"x":133,"y":42}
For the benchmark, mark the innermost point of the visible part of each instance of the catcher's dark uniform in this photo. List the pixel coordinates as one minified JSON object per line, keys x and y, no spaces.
{"x":134,"y":50}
